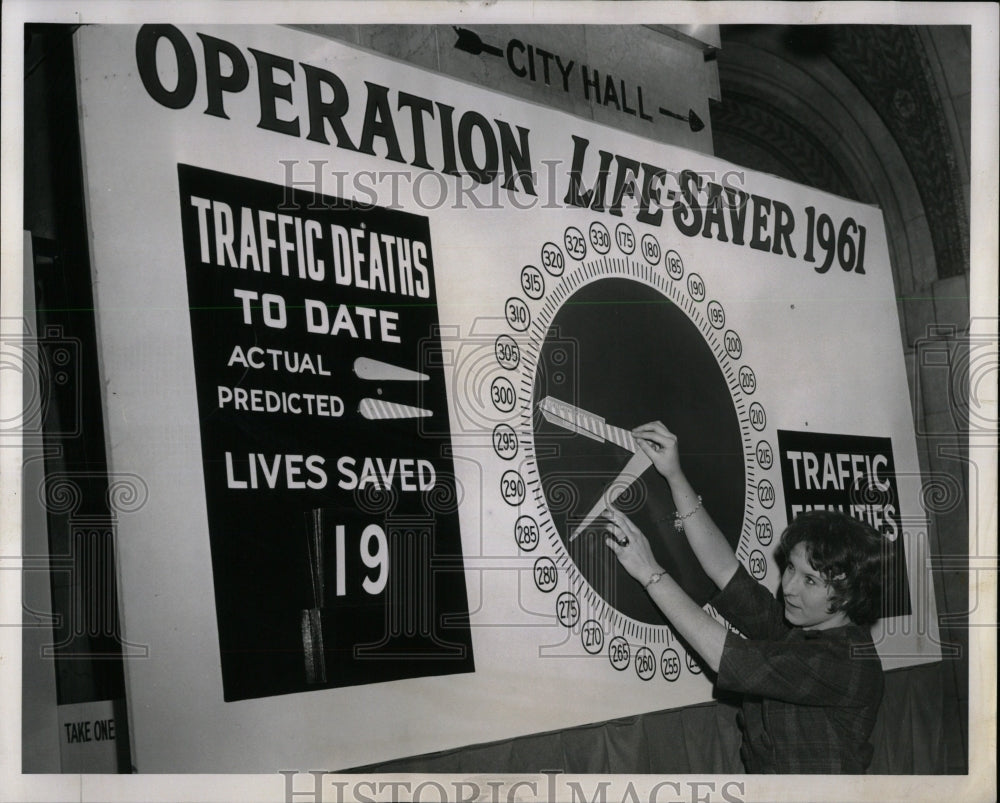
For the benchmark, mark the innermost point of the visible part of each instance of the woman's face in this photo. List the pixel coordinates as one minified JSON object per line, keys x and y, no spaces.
{"x":807,"y":595}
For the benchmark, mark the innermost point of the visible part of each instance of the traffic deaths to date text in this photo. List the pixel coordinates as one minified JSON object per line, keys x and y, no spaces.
{"x":367,"y":323}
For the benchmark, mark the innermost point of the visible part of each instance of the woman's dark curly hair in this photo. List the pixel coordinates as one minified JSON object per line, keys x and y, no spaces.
{"x":847,"y":553}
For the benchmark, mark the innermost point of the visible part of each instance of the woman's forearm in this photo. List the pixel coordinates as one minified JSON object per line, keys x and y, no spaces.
{"x":709,"y":545}
{"x":714,"y":554}
{"x":701,"y":631}
{"x":706,"y":636}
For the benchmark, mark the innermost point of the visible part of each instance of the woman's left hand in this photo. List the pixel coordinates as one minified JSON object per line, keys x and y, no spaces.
{"x":630,"y":546}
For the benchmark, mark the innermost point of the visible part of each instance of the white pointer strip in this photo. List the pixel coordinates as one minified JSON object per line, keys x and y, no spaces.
{"x":580,"y":421}
{"x":636,"y":465}
{"x":378,"y":410}
{"x":378,"y":371}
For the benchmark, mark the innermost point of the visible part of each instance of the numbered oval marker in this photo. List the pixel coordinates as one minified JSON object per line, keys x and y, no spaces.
{"x":592,"y":636}
{"x":600,"y":237}
{"x":546,"y":575}
{"x":696,"y":287}
{"x":532,"y":282}
{"x":507,"y":352}
{"x":734,"y":346}
{"x":765,"y":494}
{"x":567,"y":609}
{"x":512,"y":487}
{"x":764,"y":454}
{"x":675,"y":265}
{"x":645,"y":663}
{"x":716,"y":314}
{"x":650,"y":249}
{"x":625,"y":238}
{"x":692,"y":664}
{"x":526,"y":533}
{"x":670,"y":664}
{"x":757,"y":564}
{"x":503,"y":395}
{"x":517,"y":313}
{"x":619,"y":653}
{"x":763,"y":530}
{"x":576,"y":246}
{"x":552,"y":259}
{"x":748,"y":380}
{"x":505,"y":442}
{"x":758,"y":419}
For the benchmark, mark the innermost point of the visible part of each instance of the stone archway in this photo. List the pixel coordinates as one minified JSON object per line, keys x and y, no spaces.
{"x":808,"y":111}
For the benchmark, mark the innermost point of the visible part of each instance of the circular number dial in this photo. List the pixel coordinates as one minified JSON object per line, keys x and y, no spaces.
{"x":615,"y":325}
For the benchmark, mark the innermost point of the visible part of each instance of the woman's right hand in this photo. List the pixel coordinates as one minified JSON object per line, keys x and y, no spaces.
{"x":660,"y":445}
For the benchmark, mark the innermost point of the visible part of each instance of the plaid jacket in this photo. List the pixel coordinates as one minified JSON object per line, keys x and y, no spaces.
{"x":810,"y":696}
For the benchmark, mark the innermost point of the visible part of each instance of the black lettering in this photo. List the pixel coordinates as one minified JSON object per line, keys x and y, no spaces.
{"x":625,"y":107}
{"x":591,"y":83}
{"x":573,"y":194}
{"x":418,"y":107}
{"x":215,"y":82}
{"x":628,"y":170}
{"x":448,"y":140}
{"x":714,"y":215}
{"x":610,"y":93}
{"x":516,"y":157}
{"x":784,"y":223}
{"x":146,"y":42}
{"x":545,"y":63}
{"x":686,"y":213}
{"x":737,"y":200}
{"x":469,"y":121}
{"x":564,"y":71}
{"x":651,"y":195}
{"x":322,"y":111}
{"x":512,"y":45}
{"x":270,"y":92}
{"x":378,"y":123}
{"x":761,"y":208}
{"x":642,"y":110}
{"x":603,"y":170}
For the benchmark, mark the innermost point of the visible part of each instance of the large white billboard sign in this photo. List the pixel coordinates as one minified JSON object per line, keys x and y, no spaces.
{"x":372,"y":339}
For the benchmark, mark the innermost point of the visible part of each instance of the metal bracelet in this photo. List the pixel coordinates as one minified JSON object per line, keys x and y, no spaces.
{"x":679,"y":519}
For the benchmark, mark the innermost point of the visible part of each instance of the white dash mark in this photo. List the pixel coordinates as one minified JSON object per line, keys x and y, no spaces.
{"x":379,"y":371}
{"x":378,"y":410}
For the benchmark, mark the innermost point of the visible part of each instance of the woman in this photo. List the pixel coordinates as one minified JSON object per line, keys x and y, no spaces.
{"x":807,"y":669}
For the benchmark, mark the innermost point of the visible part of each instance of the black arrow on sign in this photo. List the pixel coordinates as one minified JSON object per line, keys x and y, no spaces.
{"x":470,"y":42}
{"x":690,"y":118}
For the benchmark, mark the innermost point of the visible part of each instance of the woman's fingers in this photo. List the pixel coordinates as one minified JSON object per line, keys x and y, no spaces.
{"x":618,"y":533}
{"x":623,"y":530}
{"x":620,"y":522}
{"x":654,"y":435}
{"x":654,"y":428}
